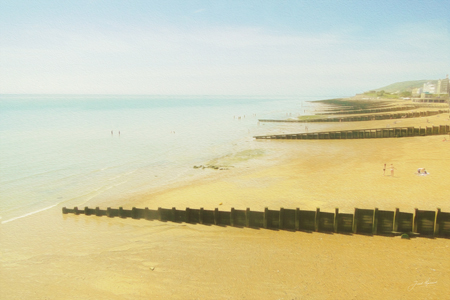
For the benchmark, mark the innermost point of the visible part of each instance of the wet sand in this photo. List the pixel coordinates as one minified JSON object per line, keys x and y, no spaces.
{"x":54,"y":256}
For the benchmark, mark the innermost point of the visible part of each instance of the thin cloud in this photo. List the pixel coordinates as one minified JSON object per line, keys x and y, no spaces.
{"x":215,"y":60}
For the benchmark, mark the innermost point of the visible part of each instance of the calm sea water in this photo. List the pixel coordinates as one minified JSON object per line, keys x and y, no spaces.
{"x":66,"y":150}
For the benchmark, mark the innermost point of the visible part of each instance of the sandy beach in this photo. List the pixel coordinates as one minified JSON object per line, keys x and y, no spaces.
{"x":53,"y":256}
{"x":224,"y":150}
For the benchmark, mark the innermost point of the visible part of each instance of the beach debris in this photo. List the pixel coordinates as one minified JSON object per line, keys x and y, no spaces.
{"x":422,"y":171}
{"x":220,"y":203}
{"x":211,"y":167}
{"x":152,"y":268}
{"x":405,"y":236}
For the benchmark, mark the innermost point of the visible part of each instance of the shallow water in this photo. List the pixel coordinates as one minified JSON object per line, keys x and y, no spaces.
{"x":70,"y":150}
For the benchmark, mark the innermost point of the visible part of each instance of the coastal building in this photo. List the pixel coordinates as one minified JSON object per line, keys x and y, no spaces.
{"x":443,"y":86}
{"x":433,"y":93}
{"x":429,"y":88}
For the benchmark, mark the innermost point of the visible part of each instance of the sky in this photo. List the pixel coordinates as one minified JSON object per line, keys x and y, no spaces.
{"x":300,"y":48}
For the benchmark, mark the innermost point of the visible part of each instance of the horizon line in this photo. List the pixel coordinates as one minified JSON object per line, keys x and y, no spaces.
{"x":167,"y":95}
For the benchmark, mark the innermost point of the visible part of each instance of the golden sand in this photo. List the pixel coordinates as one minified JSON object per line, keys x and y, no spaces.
{"x":54,"y":256}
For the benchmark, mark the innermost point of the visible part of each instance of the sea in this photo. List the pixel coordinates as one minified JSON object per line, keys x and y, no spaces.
{"x":73,"y":150}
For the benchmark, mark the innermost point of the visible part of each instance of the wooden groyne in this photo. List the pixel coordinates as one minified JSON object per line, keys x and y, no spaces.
{"x":363,"y":133}
{"x":372,"y":110}
{"x":430,"y":100}
{"x":362,"y":221}
{"x":416,"y":114}
{"x":427,"y":104}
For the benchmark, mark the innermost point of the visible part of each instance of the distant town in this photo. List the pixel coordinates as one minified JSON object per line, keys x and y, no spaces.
{"x":430,"y":91}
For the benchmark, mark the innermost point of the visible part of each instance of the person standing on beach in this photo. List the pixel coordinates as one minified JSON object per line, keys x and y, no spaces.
{"x":392,"y":170}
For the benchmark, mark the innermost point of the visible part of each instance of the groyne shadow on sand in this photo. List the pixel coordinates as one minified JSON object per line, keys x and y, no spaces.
{"x":363,"y":133}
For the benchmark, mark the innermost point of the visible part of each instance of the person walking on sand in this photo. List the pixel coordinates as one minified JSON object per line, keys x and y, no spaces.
{"x":392,"y":170}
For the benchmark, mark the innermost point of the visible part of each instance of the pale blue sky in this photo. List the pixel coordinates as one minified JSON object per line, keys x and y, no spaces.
{"x":329,"y":48}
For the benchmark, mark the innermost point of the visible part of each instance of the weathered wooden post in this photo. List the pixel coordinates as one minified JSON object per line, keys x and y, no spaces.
{"x":396,"y":219}
{"x":174,"y":214}
{"x":232,"y":216}
{"x":187,"y":215}
{"x":64,"y":210}
{"x":97,"y":211}
{"x":86,"y":211}
{"x":297,"y":219}
{"x":109,"y":212}
{"x":375,"y":221}
{"x":146,"y":213}
{"x":216,"y":216}
{"x":247,"y":217}
{"x":336,"y":219}
{"x":317,"y":219}
{"x":121,"y":212}
{"x":200,"y":215}
{"x":134,"y":213}
{"x":75,"y":210}
{"x":379,"y":133}
{"x":355,"y":221}
{"x":159,"y":214}
{"x":415,"y":220}
{"x":436,"y":222}
{"x":265,"y":215}
{"x":281,"y":217}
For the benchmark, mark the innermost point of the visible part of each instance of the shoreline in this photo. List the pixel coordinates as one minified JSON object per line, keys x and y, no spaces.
{"x":295,"y":151}
{"x":278,"y":155}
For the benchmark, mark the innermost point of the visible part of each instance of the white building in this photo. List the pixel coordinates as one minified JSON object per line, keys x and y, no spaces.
{"x":429,"y":88}
{"x":443,"y":86}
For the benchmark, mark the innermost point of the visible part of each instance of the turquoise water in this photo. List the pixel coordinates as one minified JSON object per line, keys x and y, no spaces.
{"x":66,"y":150}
